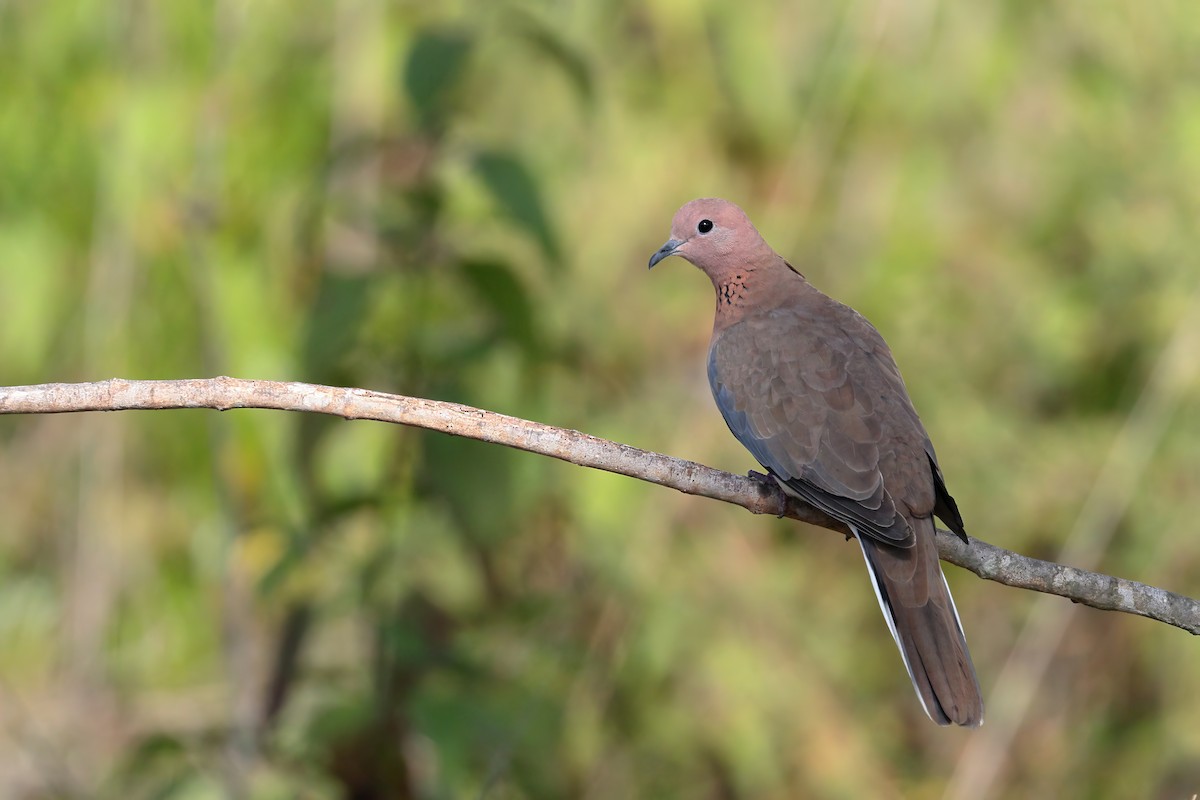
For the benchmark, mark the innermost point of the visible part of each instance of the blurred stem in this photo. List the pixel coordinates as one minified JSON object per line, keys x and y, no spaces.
{"x":239,"y":643}
{"x":985,"y":560}
{"x":356,"y":116}
{"x":91,"y":557}
{"x":286,"y":665}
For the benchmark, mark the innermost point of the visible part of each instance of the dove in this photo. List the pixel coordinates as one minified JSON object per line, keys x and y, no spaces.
{"x":811,"y":389}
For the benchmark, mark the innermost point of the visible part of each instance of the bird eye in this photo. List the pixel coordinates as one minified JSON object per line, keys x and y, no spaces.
{"x":705,"y":226}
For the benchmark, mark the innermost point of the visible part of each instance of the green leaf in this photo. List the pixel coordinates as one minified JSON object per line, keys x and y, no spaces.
{"x":334,"y":322}
{"x":516,"y":192}
{"x":432,"y":73}
{"x":547,"y":43}
{"x":503,"y":293}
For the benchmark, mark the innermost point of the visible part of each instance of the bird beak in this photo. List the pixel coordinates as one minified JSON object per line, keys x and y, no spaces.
{"x":664,"y":251}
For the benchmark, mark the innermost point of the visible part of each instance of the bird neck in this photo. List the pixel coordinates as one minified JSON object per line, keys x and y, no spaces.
{"x":754,"y":288}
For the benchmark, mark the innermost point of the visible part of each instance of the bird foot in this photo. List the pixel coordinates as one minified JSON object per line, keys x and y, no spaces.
{"x":760,"y":477}
{"x":765,"y":481}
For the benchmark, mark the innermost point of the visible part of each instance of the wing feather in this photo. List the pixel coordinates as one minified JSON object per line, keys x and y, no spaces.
{"x":818,"y":401}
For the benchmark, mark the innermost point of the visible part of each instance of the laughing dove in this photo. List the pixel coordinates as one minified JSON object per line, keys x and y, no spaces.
{"x":809,"y":387}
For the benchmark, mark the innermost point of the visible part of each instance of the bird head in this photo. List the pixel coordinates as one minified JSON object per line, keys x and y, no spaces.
{"x":712,"y":234}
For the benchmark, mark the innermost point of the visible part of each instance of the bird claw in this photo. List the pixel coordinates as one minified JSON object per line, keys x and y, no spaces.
{"x":765,"y":481}
{"x":760,"y":477}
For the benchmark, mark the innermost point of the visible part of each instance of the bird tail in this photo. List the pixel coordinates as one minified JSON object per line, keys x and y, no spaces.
{"x":920,"y":612}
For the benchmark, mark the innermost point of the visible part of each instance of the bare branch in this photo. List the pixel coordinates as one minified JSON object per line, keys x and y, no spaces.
{"x":985,"y":560}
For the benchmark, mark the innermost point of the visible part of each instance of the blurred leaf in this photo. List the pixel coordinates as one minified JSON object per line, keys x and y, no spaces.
{"x":515,"y":190}
{"x":498,"y":288}
{"x":434,"y":67}
{"x":157,"y":766}
{"x":292,"y":561}
{"x":547,"y":42}
{"x":475,"y":482}
{"x":333,"y":322}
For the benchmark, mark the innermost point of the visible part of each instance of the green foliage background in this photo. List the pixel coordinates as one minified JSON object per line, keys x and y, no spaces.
{"x":457,"y":201}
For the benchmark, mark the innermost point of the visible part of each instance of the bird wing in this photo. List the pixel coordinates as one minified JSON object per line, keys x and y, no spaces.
{"x":814,"y":394}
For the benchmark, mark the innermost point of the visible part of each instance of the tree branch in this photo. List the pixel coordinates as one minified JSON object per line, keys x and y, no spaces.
{"x":985,"y":560}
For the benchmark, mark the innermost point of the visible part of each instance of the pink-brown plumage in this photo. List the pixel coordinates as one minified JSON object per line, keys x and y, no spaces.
{"x":813,"y":392}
